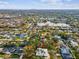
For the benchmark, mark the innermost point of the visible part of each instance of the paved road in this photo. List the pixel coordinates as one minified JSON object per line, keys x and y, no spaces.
{"x":47,"y":57}
{"x":21,"y":57}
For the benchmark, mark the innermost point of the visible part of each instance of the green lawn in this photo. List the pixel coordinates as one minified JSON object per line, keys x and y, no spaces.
{"x":15,"y":56}
{"x":1,"y":54}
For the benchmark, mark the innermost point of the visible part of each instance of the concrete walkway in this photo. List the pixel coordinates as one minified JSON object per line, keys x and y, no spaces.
{"x":47,"y":57}
{"x":21,"y":57}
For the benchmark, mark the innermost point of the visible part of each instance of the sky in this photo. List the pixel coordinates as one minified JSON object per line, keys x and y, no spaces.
{"x":39,"y":4}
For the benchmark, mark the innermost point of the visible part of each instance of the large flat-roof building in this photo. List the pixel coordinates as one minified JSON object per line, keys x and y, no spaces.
{"x":54,"y":25}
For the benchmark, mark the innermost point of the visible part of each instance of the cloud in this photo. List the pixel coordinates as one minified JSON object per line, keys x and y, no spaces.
{"x":60,"y":4}
{"x":68,"y":0}
{"x":38,"y":4}
{"x":50,"y":1}
{"x":7,"y":5}
{"x":3,"y":3}
{"x":55,"y":1}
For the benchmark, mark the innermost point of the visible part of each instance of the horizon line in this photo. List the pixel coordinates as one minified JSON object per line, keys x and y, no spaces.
{"x":40,"y":9}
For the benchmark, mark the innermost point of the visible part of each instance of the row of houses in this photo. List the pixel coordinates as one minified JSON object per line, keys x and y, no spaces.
{"x":54,"y":25}
{"x":11,"y":22}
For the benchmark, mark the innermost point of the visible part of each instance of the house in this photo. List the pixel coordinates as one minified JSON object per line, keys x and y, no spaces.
{"x":20,"y":35}
{"x":1,"y":49}
{"x":65,"y":52}
{"x":13,"y":50}
{"x":57,"y":37}
{"x":73,"y":43}
{"x":42,"y":52}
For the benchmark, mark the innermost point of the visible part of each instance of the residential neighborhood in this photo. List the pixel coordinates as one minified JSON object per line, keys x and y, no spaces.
{"x":39,"y":34}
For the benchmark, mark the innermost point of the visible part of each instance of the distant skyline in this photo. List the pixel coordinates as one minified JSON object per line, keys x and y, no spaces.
{"x":39,"y":4}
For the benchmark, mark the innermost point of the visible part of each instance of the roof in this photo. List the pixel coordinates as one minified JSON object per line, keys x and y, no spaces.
{"x":42,"y":52}
{"x":53,"y":24}
{"x":65,"y":52}
{"x":73,"y":43}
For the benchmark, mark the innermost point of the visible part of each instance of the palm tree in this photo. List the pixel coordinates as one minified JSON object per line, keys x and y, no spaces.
{"x":7,"y":56}
{"x":29,"y":51}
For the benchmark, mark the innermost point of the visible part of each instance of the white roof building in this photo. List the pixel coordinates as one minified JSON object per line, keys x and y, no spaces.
{"x":73,"y":43}
{"x":53,"y":24}
{"x":41,"y":24}
{"x":42,"y":52}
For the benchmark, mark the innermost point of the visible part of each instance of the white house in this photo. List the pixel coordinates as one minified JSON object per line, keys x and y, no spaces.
{"x":1,"y":49}
{"x":42,"y":52}
{"x":73,"y":43}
